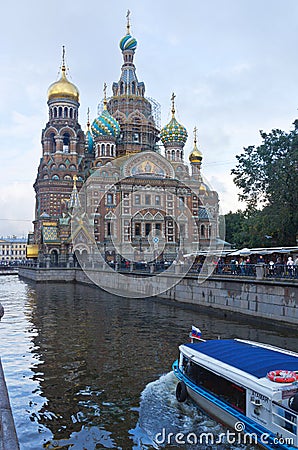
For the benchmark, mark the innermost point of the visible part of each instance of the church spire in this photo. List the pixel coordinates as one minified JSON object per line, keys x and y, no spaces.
{"x":128,"y":83}
{"x":128,"y":23}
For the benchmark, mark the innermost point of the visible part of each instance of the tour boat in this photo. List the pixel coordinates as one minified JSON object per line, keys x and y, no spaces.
{"x":248,"y":386}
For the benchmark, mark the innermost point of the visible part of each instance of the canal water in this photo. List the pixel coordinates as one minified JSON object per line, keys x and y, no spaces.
{"x":89,"y":370}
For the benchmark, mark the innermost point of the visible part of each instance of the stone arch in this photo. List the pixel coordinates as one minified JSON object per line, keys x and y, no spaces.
{"x":137,"y":116}
{"x":120,"y":116}
{"x":49,"y":131}
{"x":54,"y":256}
{"x":68,"y":130}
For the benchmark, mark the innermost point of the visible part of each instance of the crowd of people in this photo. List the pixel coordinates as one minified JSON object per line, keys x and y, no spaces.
{"x":274,"y":266}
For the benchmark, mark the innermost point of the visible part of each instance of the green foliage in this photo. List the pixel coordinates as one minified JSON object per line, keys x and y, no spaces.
{"x":267,"y":176}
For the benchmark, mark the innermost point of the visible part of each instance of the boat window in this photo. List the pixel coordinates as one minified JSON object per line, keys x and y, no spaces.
{"x":226,"y":390}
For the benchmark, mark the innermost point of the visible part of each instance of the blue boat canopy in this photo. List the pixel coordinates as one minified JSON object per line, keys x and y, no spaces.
{"x":250,"y":358}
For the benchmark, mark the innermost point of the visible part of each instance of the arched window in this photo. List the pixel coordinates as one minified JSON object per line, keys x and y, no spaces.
{"x":108,"y":150}
{"x":55,"y":112}
{"x":60,"y":111}
{"x":110,"y":199}
{"x":133,"y":87}
{"x":65,"y":112}
{"x":71,"y":113}
{"x":52,"y":143}
{"x":66,"y":141}
{"x":62,"y":166}
{"x":103,"y":152}
{"x":173,"y":155}
{"x":55,"y":177}
{"x":72,"y":167}
{"x":67,"y":177}
{"x":203,"y":230}
{"x":112,"y":150}
{"x":121,"y":88}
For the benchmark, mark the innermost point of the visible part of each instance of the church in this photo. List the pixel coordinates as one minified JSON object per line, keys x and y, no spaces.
{"x":122,"y":186}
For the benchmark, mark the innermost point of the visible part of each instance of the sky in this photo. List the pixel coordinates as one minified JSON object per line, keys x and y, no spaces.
{"x":232,"y":64}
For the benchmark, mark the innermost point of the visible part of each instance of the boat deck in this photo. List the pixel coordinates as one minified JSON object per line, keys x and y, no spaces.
{"x":250,"y":357}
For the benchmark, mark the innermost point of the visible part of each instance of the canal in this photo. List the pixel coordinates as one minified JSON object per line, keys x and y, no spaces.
{"x":89,"y":370}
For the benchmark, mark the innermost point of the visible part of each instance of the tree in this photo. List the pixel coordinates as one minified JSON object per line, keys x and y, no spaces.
{"x":267,"y":176}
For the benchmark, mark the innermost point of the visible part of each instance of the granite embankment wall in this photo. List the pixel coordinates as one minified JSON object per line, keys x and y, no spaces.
{"x":8,"y":436}
{"x":260,"y":298}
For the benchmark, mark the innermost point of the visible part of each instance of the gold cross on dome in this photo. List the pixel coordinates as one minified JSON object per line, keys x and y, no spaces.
{"x":173,"y":103}
{"x":128,"y":24}
{"x":195,"y":134}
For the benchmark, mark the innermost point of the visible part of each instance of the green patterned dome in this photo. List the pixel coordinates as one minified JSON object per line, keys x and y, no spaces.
{"x":128,"y":43}
{"x":174,"y":132}
{"x":105,"y":125}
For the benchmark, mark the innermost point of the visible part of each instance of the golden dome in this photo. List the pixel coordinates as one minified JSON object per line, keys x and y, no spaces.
{"x":63,"y":88}
{"x":195,"y":156}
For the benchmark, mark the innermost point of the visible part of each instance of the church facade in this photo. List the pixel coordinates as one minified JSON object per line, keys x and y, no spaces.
{"x":140,"y":200}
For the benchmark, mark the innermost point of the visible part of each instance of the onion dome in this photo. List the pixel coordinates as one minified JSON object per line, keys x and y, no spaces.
{"x":128,"y":42}
{"x":196,"y":156}
{"x":89,"y":141}
{"x":63,"y":88}
{"x":173,"y":132}
{"x":89,"y":137}
{"x":105,"y":124}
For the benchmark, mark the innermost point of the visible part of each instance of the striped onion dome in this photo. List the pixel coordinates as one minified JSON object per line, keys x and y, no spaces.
{"x":128,"y":43}
{"x":105,"y":125}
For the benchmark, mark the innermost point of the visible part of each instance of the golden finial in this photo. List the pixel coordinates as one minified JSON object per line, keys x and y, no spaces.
{"x":173,"y":104}
{"x":195,"y":136}
{"x":63,"y":67}
{"x":88,"y":118}
{"x":75,"y":178}
{"x":105,"y":96}
{"x":128,"y":23}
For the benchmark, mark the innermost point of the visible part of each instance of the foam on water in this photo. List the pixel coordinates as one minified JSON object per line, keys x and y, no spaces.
{"x":160,"y":414}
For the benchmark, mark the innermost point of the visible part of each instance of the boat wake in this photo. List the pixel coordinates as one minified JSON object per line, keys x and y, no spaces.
{"x":163,"y":421}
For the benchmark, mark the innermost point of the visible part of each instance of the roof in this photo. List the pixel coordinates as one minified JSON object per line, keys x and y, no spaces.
{"x":14,"y":240}
{"x":248,"y":357}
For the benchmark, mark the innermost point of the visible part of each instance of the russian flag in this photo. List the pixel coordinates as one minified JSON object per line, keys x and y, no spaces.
{"x":195,"y":332}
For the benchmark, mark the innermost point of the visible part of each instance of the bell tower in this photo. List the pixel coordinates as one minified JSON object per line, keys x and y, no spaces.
{"x":63,"y":146}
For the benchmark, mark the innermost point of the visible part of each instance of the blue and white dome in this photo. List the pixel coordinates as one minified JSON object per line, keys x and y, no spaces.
{"x":128,"y":43}
{"x":89,"y":141}
{"x":105,"y":125}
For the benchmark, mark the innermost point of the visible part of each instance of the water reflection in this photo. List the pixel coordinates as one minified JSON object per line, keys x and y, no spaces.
{"x":77,"y":360}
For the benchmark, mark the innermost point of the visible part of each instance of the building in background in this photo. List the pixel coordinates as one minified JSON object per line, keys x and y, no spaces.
{"x":12,"y":249}
{"x":141,"y":192}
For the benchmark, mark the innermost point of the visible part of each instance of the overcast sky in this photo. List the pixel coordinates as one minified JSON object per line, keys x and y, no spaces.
{"x":232,"y":64}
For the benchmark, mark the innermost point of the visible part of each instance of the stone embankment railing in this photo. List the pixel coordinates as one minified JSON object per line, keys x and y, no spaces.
{"x":257,"y":296}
